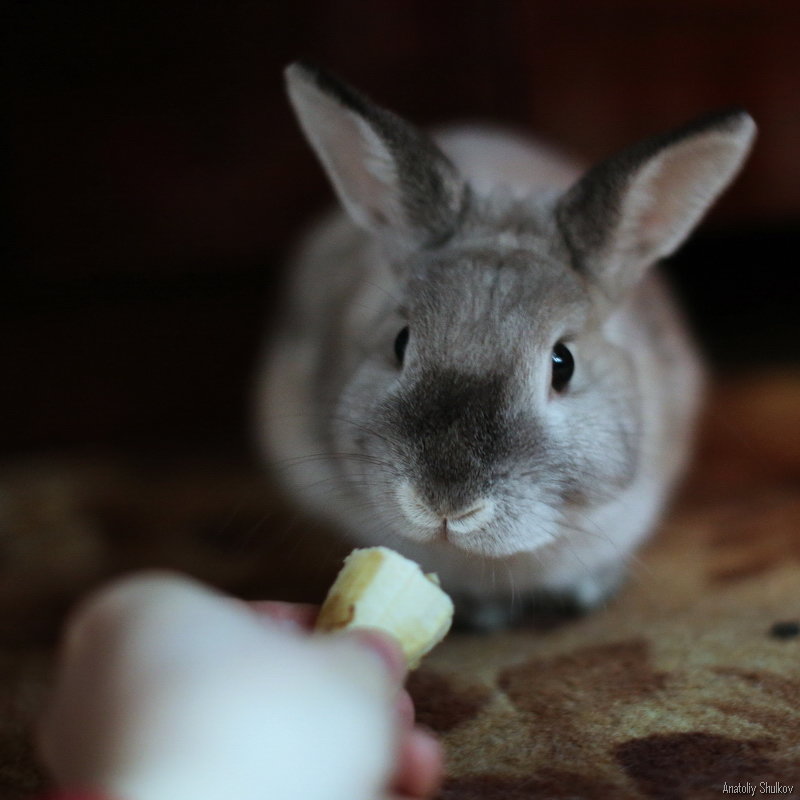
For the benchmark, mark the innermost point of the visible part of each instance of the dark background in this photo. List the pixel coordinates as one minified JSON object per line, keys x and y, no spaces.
{"x":156,"y":176}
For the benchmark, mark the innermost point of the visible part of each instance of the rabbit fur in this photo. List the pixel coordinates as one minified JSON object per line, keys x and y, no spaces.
{"x":452,"y":442}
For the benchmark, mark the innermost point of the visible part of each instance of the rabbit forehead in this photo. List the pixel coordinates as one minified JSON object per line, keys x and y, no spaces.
{"x":497,"y":290}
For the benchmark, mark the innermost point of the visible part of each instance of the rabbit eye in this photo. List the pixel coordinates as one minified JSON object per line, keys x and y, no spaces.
{"x":400,"y":345}
{"x":563,"y":367}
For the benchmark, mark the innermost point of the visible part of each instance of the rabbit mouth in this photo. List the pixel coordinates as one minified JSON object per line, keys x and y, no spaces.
{"x":448,"y":520}
{"x":479,"y":527}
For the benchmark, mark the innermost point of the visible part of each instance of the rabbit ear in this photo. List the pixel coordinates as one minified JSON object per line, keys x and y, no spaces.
{"x":391,"y":179}
{"x":639,"y":205}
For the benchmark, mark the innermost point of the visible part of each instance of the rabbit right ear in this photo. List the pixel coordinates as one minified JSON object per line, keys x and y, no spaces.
{"x":391,"y":179}
{"x":639,"y":206}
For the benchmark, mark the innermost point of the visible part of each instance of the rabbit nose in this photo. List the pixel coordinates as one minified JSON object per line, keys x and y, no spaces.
{"x":461,"y":519}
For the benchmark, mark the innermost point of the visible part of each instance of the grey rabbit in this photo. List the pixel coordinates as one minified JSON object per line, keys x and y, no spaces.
{"x":477,"y":363}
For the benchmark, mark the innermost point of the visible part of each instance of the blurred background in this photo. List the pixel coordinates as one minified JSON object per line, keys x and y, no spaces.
{"x":157,"y":176}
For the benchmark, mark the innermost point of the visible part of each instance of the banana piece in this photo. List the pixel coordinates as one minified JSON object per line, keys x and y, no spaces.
{"x":379,"y":588}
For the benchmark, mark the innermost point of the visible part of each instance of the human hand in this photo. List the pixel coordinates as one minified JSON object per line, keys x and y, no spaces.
{"x":168,"y":691}
{"x":418,"y":764}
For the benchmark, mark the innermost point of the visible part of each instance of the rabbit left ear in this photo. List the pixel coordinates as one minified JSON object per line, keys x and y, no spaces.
{"x":640,"y":205}
{"x":391,"y":179}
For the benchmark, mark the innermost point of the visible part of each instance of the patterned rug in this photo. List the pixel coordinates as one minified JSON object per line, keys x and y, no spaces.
{"x":687,"y":685}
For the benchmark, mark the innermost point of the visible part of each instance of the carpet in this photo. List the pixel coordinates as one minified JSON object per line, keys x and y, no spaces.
{"x":685,"y":685}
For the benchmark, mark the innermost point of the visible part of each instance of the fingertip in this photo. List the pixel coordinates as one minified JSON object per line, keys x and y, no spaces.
{"x":420,"y":766}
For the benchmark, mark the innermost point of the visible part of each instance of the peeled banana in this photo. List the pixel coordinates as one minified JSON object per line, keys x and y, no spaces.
{"x":379,"y":588}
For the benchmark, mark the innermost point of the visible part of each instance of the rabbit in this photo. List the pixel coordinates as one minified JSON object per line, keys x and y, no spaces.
{"x":477,"y":362}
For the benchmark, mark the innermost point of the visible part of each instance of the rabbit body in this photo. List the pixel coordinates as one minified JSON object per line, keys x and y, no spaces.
{"x":413,"y":390}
